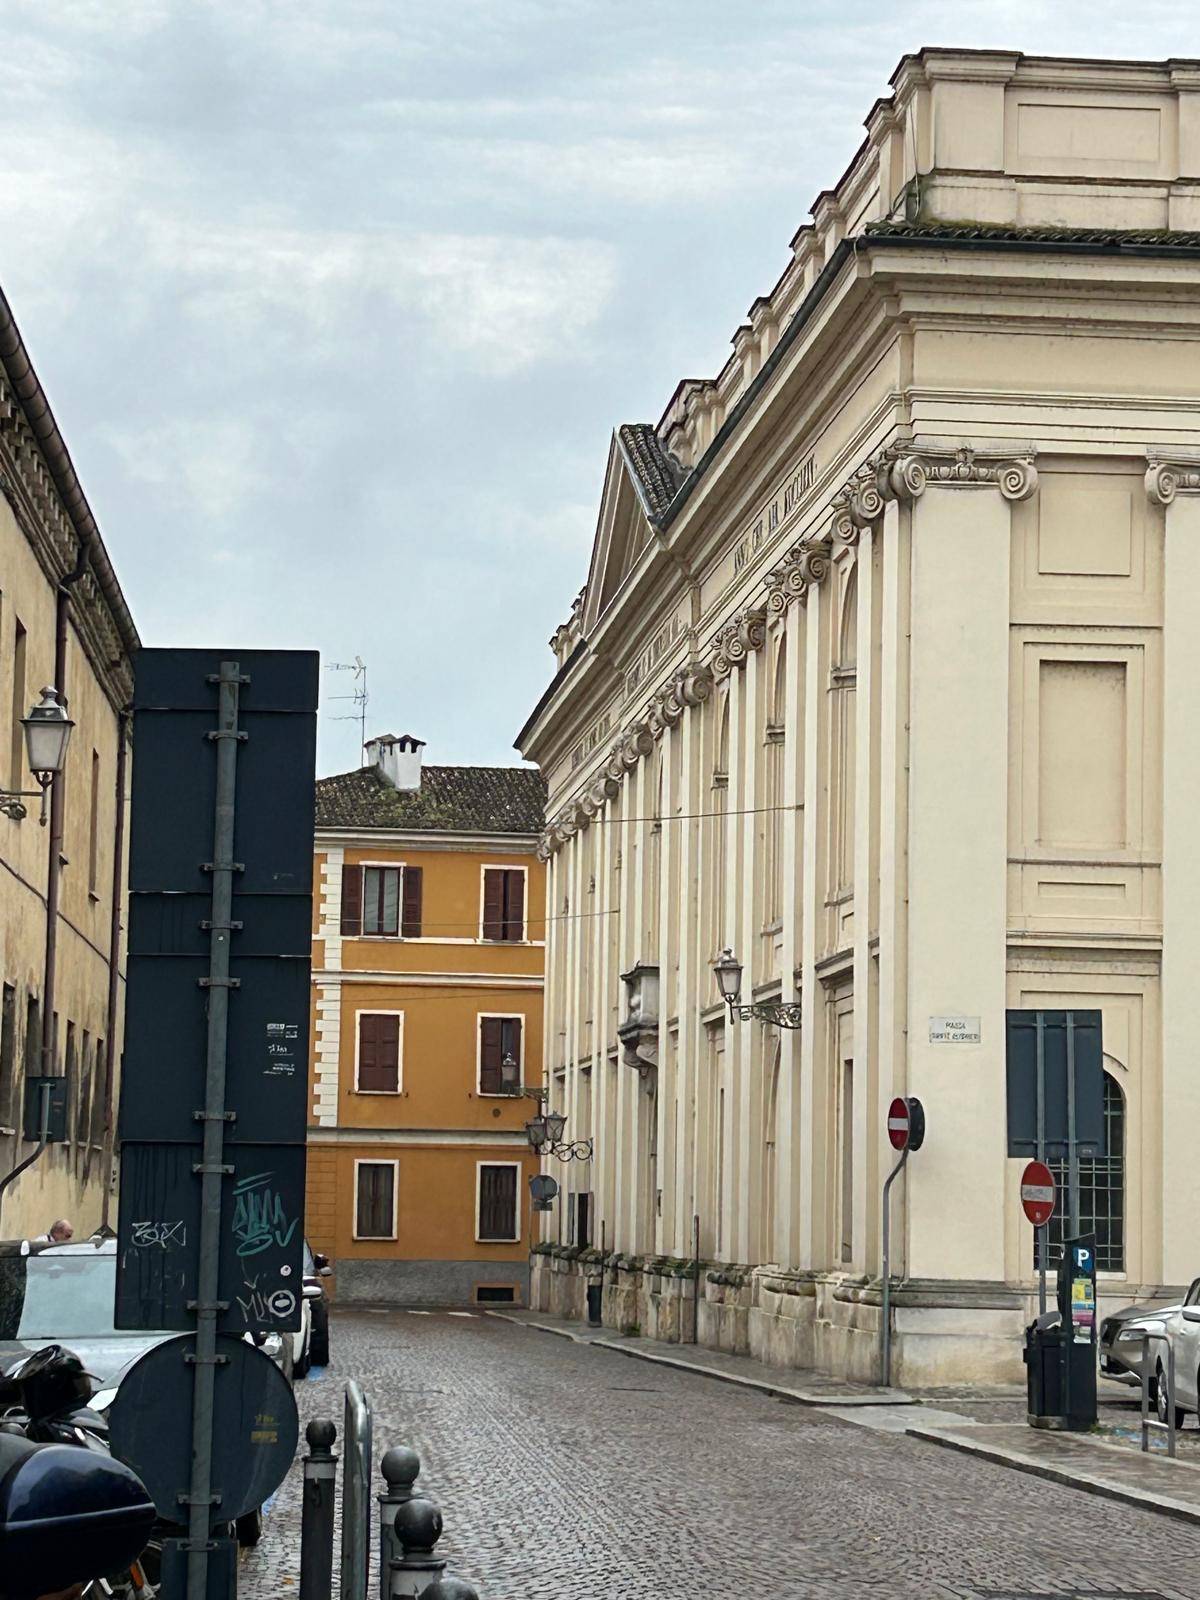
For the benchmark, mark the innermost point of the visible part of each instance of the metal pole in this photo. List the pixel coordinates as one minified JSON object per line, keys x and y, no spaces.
{"x":113,"y":1011}
{"x":885,"y":1329}
{"x":316,"y":1516}
{"x":356,"y":1494}
{"x":696,"y":1278}
{"x":201,"y":1500}
{"x":1072,"y":1142}
{"x":1041,"y":1236}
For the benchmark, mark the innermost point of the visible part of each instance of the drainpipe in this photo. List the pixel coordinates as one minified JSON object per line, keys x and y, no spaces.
{"x":114,"y":966}
{"x":57,"y":797}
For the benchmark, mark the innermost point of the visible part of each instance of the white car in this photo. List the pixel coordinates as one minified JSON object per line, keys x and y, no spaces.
{"x":1179,"y":1327}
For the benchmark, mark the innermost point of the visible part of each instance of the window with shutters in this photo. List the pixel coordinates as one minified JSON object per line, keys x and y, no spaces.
{"x":497,"y":1192}
{"x":381,"y":902}
{"x":503,"y":904}
{"x":498,"y":1037}
{"x":375,"y":1199}
{"x":378,"y":1052}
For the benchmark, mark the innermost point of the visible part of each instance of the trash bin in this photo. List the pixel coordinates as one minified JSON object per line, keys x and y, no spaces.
{"x":595,"y":1302}
{"x":1043,"y":1357}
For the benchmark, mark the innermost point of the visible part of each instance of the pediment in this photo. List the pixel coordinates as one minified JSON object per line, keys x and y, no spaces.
{"x":640,"y":481}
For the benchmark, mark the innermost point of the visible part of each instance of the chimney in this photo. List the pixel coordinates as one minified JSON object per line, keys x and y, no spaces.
{"x":397,"y":759}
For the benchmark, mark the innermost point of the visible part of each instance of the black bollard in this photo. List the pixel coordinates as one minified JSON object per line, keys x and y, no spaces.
{"x":316,"y":1519}
{"x":401,"y":1468}
{"x":418,"y":1528}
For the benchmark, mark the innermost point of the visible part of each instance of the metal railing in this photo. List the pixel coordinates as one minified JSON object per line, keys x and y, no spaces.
{"x":356,"y":1494}
{"x":1148,"y":1336}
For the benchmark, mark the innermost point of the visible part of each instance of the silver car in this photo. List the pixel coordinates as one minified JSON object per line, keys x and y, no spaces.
{"x":1123,"y":1349}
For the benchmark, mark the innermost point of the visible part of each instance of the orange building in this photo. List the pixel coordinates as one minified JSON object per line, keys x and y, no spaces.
{"x":428,"y":961}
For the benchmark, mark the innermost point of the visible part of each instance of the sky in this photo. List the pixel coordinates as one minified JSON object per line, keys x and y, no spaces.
{"x":338,"y":302}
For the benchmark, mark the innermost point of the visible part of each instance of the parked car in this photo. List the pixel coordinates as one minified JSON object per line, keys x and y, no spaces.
{"x":65,"y":1294}
{"x":316,"y":1270}
{"x":1122,"y":1350}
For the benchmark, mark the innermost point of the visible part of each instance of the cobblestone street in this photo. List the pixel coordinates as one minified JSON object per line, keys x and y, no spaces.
{"x":579,"y":1474}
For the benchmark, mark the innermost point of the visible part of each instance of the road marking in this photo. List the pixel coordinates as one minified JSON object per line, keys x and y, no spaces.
{"x":420,"y":1313}
{"x":470,"y":1314}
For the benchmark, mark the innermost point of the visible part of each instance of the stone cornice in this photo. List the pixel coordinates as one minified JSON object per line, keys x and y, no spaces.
{"x":902,"y":471}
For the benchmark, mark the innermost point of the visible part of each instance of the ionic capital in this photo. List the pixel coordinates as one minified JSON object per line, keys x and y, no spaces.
{"x":1166,"y":478}
{"x":904,"y":472}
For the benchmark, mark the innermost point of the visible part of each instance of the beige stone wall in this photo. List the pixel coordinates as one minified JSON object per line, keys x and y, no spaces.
{"x":71,"y":1179}
{"x":901,"y":706}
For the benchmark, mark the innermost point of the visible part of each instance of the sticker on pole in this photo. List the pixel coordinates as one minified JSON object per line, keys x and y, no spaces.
{"x":906,"y":1123}
{"x":1038,"y":1193}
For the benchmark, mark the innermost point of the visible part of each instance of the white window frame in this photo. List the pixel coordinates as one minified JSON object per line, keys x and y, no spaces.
{"x":504,"y":866}
{"x":402,"y":868}
{"x":372,"y":1161}
{"x":479,"y":1166}
{"x":498,"y":1016}
{"x":380,"y":1011}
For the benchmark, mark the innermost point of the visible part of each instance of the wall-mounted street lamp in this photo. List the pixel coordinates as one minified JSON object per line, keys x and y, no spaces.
{"x":778,"y":1013}
{"x":544,"y":1130}
{"x":47,"y":734}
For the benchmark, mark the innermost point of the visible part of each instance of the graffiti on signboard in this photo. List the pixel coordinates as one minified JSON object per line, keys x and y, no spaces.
{"x":259,"y":1217}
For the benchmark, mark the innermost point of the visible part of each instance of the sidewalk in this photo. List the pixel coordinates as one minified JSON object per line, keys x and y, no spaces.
{"x":1152,"y":1481}
{"x":785,"y":1383}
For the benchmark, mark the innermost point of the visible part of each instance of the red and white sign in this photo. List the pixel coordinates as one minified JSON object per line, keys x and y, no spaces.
{"x":1038,"y":1193}
{"x":897,"y":1123}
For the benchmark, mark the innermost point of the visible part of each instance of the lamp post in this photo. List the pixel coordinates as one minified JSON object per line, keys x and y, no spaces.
{"x":777,"y":1013}
{"x":545,"y":1129}
{"x":47,"y":734}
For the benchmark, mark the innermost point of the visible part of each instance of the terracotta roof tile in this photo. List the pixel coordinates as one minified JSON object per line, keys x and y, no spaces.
{"x":657,"y":471}
{"x":450,"y":800}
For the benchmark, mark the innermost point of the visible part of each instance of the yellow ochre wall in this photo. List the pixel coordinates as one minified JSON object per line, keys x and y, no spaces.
{"x":438,"y":1127}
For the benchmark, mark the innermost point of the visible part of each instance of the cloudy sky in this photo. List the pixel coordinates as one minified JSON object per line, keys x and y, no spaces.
{"x":338,"y":301}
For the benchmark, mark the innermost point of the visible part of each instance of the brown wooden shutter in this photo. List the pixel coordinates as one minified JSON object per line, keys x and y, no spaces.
{"x":352,"y":893}
{"x":510,"y":1039}
{"x":497,"y":1202}
{"x":491,"y":1053}
{"x":374,"y":1209}
{"x":514,"y":920}
{"x":378,"y":1053}
{"x":493,"y":903}
{"x":410,"y":923}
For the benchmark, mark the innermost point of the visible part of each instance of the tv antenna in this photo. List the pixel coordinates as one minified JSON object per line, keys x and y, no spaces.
{"x":358,"y":697}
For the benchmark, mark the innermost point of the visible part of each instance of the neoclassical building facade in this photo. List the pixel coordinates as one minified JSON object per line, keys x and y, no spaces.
{"x":884,"y":676}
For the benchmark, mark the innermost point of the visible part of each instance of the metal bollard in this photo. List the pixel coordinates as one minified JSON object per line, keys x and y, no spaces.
{"x":449,"y":1589}
{"x":418,"y":1528}
{"x":316,"y":1517}
{"x":400,"y":1467}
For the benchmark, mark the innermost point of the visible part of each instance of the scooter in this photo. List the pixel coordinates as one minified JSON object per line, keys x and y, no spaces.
{"x":44,"y":1397}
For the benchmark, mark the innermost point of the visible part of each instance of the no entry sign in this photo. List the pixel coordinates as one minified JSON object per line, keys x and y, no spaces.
{"x":1038,"y":1193}
{"x":906,"y":1123}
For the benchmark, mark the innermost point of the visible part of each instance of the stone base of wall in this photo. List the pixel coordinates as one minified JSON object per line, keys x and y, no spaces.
{"x":427,"y":1283}
{"x":943,"y":1334}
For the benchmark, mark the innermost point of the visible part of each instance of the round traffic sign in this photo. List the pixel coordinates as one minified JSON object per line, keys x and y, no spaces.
{"x":1038,"y":1193}
{"x":897,"y":1123}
